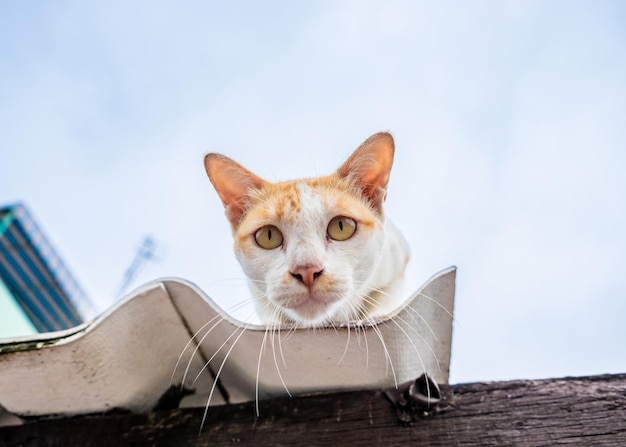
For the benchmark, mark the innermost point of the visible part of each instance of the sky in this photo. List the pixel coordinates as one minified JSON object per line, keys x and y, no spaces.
{"x":509,"y":126}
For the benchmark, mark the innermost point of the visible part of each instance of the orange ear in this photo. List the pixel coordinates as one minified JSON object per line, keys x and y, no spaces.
{"x":369,"y":168}
{"x":233,"y":184}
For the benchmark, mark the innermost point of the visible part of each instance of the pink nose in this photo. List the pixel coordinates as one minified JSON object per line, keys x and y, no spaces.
{"x":307,"y":274}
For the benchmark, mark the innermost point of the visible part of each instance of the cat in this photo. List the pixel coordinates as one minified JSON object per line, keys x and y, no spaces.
{"x":316,"y":251}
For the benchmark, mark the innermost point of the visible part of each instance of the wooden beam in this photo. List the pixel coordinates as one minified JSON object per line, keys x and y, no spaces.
{"x":573,"y":411}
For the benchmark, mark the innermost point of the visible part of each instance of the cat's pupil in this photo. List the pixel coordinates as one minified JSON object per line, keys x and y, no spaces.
{"x":341,"y":225}
{"x":269,"y":234}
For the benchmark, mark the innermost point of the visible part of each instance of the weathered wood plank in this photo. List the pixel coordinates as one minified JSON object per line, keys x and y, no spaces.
{"x":574,"y":411}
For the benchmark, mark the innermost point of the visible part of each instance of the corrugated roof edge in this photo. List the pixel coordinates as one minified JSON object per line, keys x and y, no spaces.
{"x":168,"y":335}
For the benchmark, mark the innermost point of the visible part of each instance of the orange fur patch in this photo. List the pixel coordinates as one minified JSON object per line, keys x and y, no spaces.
{"x":279,"y":203}
{"x":344,"y":198}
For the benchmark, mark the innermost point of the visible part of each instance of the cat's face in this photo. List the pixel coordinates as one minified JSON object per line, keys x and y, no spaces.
{"x":309,"y":247}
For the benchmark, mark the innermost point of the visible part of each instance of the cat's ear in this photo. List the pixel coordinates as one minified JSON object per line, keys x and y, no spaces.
{"x":233,"y":184}
{"x":369,"y":168}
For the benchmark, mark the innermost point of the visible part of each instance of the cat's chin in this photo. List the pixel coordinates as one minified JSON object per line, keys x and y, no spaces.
{"x":310,"y":312}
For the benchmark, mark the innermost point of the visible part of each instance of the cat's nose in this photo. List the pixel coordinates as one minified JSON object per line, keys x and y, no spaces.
{"x":307,"y":274}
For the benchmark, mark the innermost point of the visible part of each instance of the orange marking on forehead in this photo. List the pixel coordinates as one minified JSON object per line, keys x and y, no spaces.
{"x":281,"y":200}
{"x":274,"y":203}
{"x":281,"y":203}
{"x":344,"y":198}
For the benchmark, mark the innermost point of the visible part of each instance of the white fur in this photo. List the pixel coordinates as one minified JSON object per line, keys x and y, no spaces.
{"x":369,"y":264}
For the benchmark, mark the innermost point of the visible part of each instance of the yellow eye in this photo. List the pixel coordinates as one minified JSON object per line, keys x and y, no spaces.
{"x":268,"y":237}
{"x":341,"y":228}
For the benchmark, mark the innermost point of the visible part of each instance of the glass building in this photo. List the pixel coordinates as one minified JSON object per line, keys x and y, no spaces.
{"x":37,"y":291}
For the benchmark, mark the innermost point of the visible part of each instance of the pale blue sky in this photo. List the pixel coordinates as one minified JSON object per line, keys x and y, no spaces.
{"x":509,"y":124}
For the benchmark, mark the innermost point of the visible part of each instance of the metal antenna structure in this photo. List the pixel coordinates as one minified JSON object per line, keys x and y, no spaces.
{"x":145,"y":253}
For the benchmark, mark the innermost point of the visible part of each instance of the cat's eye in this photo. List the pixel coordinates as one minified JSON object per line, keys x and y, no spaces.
{"x":268,"y":237}
{"x":341,"y":228}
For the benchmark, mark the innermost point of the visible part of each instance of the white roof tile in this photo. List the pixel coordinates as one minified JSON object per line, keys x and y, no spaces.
{"x":130,"y":356}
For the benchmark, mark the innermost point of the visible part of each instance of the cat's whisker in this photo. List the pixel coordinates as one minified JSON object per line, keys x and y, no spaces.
{"x":360,"y":331}
{"x":421,"y":337}
{"x":219,"y":371}
{"x":360,"y":328}
{"x":408,"y":337}
{"x":180,"y":357}
{"x":258,"y":281}
{"x":440,"y":306}
{"x":280,"y":347}
{"x":387,"y":355}
{"x":330,"y":323}
{"x":416,"y":312}
{"x":270,"y":327}
{"x":206,"y":364}
{"x":280,"y":376}
{"x":428,"y":326}
{"x":419,"y":356}
{"x":199,"y":343}
{"x":345,"y":350}
{"x":414,"y":330}
{"x":290,"y":333}
{"x":197,"y":348}
{"x":357,"y":331}
{"x":236,"y":280}
{"x":367,"y":350}
{"x":413,"y":310}
{"x":258,"y":372}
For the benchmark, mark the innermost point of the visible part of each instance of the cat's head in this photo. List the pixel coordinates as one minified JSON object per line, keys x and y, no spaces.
{"x":309,"y":247}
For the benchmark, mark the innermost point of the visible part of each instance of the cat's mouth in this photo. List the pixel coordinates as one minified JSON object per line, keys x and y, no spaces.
{"x":312,"y":309}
